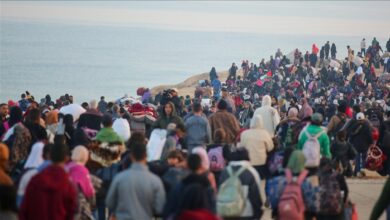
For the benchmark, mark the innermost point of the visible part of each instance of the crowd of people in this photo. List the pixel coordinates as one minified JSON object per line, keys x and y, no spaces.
{"x":283,"y":134}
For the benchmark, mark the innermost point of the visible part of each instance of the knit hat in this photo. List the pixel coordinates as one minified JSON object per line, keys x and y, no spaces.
{"x":317,"y":118}
{"x":297,"y":160}
{"x":360,"y":116}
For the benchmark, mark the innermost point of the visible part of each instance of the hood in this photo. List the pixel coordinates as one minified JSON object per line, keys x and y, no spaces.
{"x":53,"y":178}
{"x":35,"y":158}
{"x":257,"y":122}
{"x":173,"y":110}
{"x":266,"y":101}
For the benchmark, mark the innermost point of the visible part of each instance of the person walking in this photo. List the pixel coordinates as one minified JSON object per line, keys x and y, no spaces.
{"x":50,"y":194}
{"x":363,"y":47}
{"x":259,"y":143}
{"x":198,"y":128}
{"x":269,"y":114}
{"x":222,"y":119}
{"x":136,"y":193}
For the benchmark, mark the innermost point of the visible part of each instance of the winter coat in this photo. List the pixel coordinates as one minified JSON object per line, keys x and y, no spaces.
{"x":269,"y":114}
{"x":227,"y":122}
{"x":360,"y":137}
{"x":49,"y":195}
{"x":257,"y":141}
{"x":164,"y":120}
{"x":91,"y":119}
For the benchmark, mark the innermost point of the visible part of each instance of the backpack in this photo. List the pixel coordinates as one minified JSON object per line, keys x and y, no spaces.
{"x":106,"y":174}
{"x":311,"y":149}
{"x":330,"y":202}
{"x":217,"y":162}
{"x":340,"y":125}
{"x":291,"y":204}
{"x":375,"y":158}
{"x":231,"y":198}
{"x":275,"y":162}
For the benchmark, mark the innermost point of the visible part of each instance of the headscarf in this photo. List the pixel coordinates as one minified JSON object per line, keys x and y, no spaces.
{"x":80,"y":155}
{"x":257,"y":122}
{"x":293,"y":113}
{"x":296,"y":163}
{"x":78,"y":173}
{"x":35,"y":159}
{"x":203,"y":156}
{"x":20,"y":144}
{"x":4,"y":155}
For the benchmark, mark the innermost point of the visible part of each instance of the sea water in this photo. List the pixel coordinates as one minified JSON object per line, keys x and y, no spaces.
{"x":88,"y":61}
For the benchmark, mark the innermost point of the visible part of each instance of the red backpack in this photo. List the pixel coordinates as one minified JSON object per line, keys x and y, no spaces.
{"x":291,"y":205}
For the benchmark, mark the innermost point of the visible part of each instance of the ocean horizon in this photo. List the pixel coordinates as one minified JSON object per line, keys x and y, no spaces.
{"x":88,"y":61}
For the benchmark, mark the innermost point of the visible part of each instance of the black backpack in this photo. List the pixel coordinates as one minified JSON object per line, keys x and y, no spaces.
{"x":107,"y":174}
{"x":340,"y":125}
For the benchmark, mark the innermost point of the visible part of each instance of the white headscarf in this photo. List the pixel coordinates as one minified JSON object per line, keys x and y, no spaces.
{"x":80,"y":155}
{"x":35,"y":159}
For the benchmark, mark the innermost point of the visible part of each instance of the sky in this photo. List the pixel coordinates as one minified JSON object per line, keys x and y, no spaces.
{"x":332,"y":18}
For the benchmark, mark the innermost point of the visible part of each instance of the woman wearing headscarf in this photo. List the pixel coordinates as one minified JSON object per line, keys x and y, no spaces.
{"x":269,"y":114}
{"x":15,"y":117}
{"x":38,"y":155}
{"x":69,"y":128}
{"x":258,"y":142}
{"x":18,"y":139}
{"x":79,"y":175}
{"x":288,"y":130}
{"x":4,"y":155}
{"x":276,"y":186}
{"x":168,"y":116}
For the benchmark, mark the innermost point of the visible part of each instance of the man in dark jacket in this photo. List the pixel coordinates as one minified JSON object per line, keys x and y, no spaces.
{"x":327,"y":48}
{"x":360,"y":137}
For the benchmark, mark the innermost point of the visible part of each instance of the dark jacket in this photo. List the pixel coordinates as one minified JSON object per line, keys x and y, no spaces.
{"x":251,"y":180}
{"x":163,"y":121}
{"x":173,"y":199}
{"x":91,"y":119}
{"x":360,"y":136}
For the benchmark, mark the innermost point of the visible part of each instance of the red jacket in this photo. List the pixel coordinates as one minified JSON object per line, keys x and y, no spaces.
{"x":49,"y":196}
